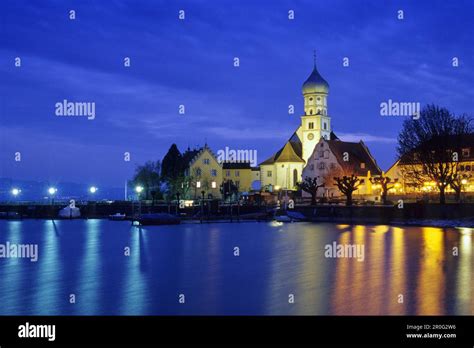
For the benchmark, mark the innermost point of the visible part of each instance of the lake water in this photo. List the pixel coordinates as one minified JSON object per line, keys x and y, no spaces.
{"x":409,"y":270}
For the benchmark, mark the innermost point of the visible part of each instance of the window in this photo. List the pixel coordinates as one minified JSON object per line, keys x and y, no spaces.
{"x":237,"y":183}
{"x":237,"y":173}
{"x":198,"y":172}
{"x":461,"y":168}
{"x":325,"y":126}
{"x":227,"y":173}
{"x":321,"y":154}
{"x":310,"y":111}
{"x":322,"y":165}
{"x":311,"y":125}
{"x":269,"y":174}
{"x":319,"y":98}
{"x":362,"y":165}
{"x":213,"y":184}
{"x":332,"y":166}
{"x":468,"y":168}
{"x":198,"y":184}
{"x":326,"y":154}
{"x":311,"y":167}
{"x":205,"y":161}
{"x":466,"y":152}
{"x":213,"y":172}
{"x":295,"y":177}
{"x":310,"y":99}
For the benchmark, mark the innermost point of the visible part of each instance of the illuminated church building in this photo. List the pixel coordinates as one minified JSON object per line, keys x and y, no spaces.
{"x":284,"y":169}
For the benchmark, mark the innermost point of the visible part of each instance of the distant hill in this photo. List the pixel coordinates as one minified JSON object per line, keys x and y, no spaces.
{"x":38,"y":191}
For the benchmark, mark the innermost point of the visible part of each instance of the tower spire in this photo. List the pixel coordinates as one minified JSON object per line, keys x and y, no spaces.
{"x":314,"y":58}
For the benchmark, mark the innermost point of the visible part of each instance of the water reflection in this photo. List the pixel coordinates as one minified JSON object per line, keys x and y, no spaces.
{"x":464,"y":278}
{"x":407,"y":270}
{"x":90,"y":272}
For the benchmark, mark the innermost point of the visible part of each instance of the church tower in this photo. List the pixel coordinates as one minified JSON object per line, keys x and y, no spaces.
{"x":315,"y":123}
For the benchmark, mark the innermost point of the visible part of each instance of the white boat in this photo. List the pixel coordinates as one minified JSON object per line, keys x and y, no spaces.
{"x":69,"y":213}
{"x":117,"y":217}
{"x":290,"y":216}
{"x":283,"y":218}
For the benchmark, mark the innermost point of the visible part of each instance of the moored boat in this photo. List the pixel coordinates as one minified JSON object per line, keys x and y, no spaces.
{"x":117,"y":217}
{"x":69,"y":213}
{"x":157,"y":219}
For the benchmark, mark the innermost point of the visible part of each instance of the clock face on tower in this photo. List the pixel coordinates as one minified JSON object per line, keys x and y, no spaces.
{"x":310,"y":136}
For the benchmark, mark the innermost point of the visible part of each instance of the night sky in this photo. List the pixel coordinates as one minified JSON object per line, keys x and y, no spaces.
{"x":190,"y":62}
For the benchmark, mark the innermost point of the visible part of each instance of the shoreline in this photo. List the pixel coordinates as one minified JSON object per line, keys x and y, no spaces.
{"x":468,"y":224}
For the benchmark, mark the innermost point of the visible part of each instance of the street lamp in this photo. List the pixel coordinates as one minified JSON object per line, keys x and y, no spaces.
{"x":139,"y":190}
{"x":15,"y":192}
{"x":52,"y":191}
{"x":93,"y":189}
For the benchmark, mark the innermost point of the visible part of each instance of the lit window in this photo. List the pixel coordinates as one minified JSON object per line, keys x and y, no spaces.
{"x":198,"y":184}
{"x":362,"y":165}
{"x":466,"y":152}
{"x":213,"y":184}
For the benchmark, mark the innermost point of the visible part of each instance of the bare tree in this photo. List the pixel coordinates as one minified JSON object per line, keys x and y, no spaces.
{"x":457,"y":183}
{"x":385,"y":185}
{"x":311,"y":186}
{"x":346,"y":180}
{"x":429,"y":146}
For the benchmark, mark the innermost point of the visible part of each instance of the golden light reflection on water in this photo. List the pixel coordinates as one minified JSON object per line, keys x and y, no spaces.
{"x":342,"y":227}
{"x":410,"y":262}
{"x":431,"y":278}
{"x":396,"y":274}
{"x":464,"y":280}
